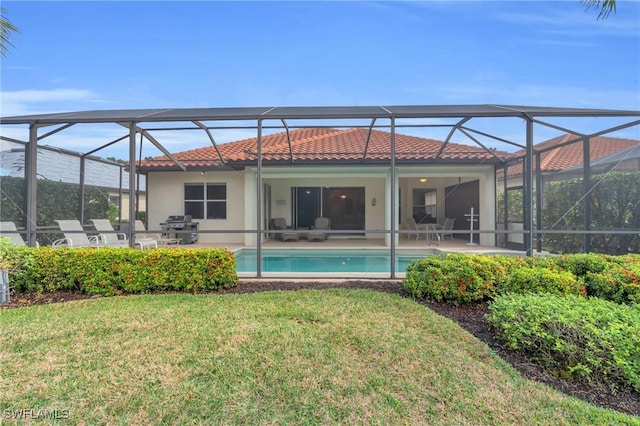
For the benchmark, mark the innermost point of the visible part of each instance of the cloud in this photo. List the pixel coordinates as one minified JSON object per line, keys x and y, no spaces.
{"x":572,"y":23}
{"x":25,"y":102}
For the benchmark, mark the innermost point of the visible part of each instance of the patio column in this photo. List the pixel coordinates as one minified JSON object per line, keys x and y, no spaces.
{"x":31,"y":183}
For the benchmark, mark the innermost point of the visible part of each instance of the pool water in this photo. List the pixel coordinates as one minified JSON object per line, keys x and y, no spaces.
{"x":328,"y":261}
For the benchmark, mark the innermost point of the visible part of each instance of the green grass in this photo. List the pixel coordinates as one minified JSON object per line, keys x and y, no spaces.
{"x":304,"y":357}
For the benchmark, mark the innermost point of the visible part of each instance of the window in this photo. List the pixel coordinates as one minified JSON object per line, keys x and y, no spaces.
{"x":205,"y":201}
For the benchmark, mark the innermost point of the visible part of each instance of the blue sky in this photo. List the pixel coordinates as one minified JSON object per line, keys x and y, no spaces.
{"x":73,"y":56}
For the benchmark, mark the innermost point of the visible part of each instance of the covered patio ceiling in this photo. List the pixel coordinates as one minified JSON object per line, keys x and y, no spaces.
{"x":135,"y":119}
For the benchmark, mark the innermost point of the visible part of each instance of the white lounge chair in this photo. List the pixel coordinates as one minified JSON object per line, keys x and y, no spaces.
{"x":9,"y":230}
{"x":111,"y":238}
{"x":75,"y":236}
{"x":141,"y":233}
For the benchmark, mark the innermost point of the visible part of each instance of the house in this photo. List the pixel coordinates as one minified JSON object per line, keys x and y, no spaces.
{"x":562,"y":159}
{"x":341,"y":174}
{"x":64,"y":166}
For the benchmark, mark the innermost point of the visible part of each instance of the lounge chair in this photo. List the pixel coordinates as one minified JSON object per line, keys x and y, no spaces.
{"x":141,"y":232}
{"x":285,"y":232}
{"x":111,"y":238}
{"x":75,"y":236}
{"x":9,"y":230}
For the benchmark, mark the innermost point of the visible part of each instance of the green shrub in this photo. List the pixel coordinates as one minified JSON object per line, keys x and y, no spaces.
{"x":454,"y":278}
{"x":583,"y":263}
{"x":573,"y":336}
{"x":617,"y":283}
{"x":541,"y":280}
{"x":20,"y":261}
{"x":111,"y":271}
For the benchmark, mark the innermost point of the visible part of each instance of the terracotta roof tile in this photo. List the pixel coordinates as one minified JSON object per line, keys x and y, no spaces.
{"x":326,"y":145}
{"x":568,"y":156}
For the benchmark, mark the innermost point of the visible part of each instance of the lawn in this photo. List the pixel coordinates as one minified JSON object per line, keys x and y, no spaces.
{"x":301,"y":357}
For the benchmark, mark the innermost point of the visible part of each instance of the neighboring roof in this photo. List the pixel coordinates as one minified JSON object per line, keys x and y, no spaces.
{"x":326,"y":146}
{"x":627,"y":159}
{"x":314,"y":112}
{"x":570,"y":156}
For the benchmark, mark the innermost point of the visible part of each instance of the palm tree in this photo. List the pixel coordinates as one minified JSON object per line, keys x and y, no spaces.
{"x":6,"y":28}
{"x":605,"y":6}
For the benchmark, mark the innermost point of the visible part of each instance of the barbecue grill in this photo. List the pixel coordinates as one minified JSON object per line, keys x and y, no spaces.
{"x":181,"y":226}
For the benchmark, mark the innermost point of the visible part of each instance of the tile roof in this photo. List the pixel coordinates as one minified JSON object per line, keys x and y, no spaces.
{"x":328,"y":146}
{"x":568,"y":156}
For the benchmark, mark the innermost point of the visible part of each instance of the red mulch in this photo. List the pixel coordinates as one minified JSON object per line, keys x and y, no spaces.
{"x":471,"y":317}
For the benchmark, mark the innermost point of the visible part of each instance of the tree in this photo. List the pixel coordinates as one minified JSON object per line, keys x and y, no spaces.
{"x":6,"y":28}
{"x":605,"y":6}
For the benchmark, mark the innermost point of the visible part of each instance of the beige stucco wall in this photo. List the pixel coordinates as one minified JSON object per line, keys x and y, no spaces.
{"x":165,"y":196}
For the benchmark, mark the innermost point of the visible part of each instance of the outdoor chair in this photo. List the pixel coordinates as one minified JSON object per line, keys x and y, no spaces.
{"x":446,"y":227}
{"x":9,"y":230}
{"x":410,"y":224}
{"x":75,"y":236}
{"x":141,"y":232}
{"x":285,"y":232}
{"x":110,"y":238}
{"x":319,"y":224}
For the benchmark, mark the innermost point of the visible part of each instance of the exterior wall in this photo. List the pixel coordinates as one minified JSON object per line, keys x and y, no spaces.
{"x":124,"y":205}
{"x":166,"y":197}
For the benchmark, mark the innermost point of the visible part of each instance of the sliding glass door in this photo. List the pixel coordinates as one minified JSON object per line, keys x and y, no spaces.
{"x":307,"y":205}
{"x":344,"y":206}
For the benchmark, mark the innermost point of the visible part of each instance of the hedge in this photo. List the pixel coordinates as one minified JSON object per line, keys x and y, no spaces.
{"x":113,"y":271}
{"x":589,"y":339}
{"x":464,"y":278}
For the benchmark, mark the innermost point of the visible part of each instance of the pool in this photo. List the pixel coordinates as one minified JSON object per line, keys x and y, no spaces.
{"x":325,"y":261}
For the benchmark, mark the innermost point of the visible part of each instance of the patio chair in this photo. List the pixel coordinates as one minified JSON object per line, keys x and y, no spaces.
{"x":410,"y":224}
{"x":141,"y":232}
{"x":9,"y":230}
{"x":446,"y":227}
{"x":111,"y":238}
{"x":75,"y":236}
{"x":286,"y":233}
{"x":319,"y":224}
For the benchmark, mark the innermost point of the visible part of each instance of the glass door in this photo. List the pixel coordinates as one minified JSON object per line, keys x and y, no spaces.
{"x":307,"y":206}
